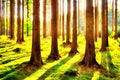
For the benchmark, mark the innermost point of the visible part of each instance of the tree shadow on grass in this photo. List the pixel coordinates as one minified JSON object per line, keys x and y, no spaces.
{"x":111,"y":69}
{"x":54,"y":68}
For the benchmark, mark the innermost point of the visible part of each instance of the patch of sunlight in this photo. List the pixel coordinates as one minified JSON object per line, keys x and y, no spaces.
{"x":96,"y":75}
{"x":99,"y":57}
{"x":43,"y":69}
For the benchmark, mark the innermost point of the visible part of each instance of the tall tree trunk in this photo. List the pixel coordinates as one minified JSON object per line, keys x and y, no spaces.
{"x":44,"y":21}
{"x":74,"y":37}
{"x":104,"y":25}
{"x":89,"y":58}
{"x":113,"y":15}
{"x":63,"y":37}
{"x":96,"y":20}
{"x":0,"y":16}
{"x":36,"y":59}
{"x":54,"y":55}
{"x":12,"y":13}
{"x":79,"y":17}
{"x":68,"y":22}
{"x":22,"y":20}
{"x":116,"y":20}
{"x":7,"y":18}
{"x":18,"y":22}
{"x":28,"y":16}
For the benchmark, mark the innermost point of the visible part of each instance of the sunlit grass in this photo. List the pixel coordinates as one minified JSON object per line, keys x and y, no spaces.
{"x":11,"y":62}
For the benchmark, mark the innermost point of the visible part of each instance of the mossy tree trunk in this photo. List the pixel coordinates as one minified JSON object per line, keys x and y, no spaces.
{"x":104,"y":25}
{"x":74,"y":37}
{"x":89,"y":58}
{"x":12,"y":13}
{"x":36,"y":59}
{"x":54,"y":55}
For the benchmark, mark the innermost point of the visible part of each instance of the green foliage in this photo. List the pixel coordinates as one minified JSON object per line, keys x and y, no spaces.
{"x":12,"y":63}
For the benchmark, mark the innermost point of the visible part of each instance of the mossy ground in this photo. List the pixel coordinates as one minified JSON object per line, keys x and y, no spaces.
{"x":12,"y":61}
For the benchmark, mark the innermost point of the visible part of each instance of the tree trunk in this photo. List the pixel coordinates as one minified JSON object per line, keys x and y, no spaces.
{"x":74,"y":37}
{"x":28,"y":16}
{"x":7,"y":18}
{"x":89,"y":58}
{"x":12,"y":13}
{"x":113,"y":15}
{"x":36,"y":59}
{"x":44,"y":21}
{"x":79,"y":17}
{"x":0,"y":16}
{"x":22,"y":20}
{"x":96,"y":20}
{"x":54,"y":55}
{"x":63,"y":37}
{"x":19,"y":40}
{"x":68,"y":22}
{"x":116,"y":20}
{"x":104,"y":25}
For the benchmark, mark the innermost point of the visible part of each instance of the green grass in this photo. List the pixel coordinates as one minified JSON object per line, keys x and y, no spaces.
{"x":12,"y":63}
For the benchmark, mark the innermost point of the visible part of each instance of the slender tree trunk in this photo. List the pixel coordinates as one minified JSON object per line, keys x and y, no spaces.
{"x":36,"y":59}
{"x":22,"y":20}
{"x":28,"y":13}
{"x":12,"y":13}
{"x":89,"y":58}
{"x":96,"y":20}
{"x":63,"y":37}
{"x":79,"y":17}
{"x":113,"y":15}
{"x":74,"y":37}
{"x":104,"y":25}
{"x":0,"y":16}
{"x":18,"y":23}
{"x":68,"y":22}
{"x":54,"y":55}
{"x":116,"y":20}
{"x":7,"y":19}
{"x":44,"y":21}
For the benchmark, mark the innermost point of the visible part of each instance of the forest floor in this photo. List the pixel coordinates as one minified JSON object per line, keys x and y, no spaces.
{"x":13,"y":56}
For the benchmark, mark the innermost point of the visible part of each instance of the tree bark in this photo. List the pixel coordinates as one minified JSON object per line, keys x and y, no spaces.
{"x":22,"y":20}
{"x":54,"y":55}
{"x":68,"y":22}
{"x":104,"y":25}
{"x":19,"y":40}
{"x":44,"y":21}
{"x":89,"y":58}
{"x":113,"y":15}
{"x":96,"y":20}
{"x":7,"y":18}
{"x":63,"y":37}
{"x":12,"y":13}
{"x":116,"y":20}
{"x":0,"y":16}
{"x":36,"y":59}
{"x":79,"y":17}
{"x":74,"y":37}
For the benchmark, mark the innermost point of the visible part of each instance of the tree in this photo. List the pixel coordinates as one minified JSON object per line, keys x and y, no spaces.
{"x":19,"y":40}
{"x":79,"y":17}
{"x":36,"y":59}
{"x":113,"y":15}
{"x":44,"y":21}
{"x":63,"y":37}
{"x":7,"y":19}
{"x":116,"y":20}
{"x":104,"y":25}
{"x":89,"y":58}
{"x":96,"y":19}
{"x":54,"y":55}
{"x":74,"y":37}
{"x":12,"y":13}
{"x":68,"y":22}
{"x":22,"y":20}
{"x":0,"y":15}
